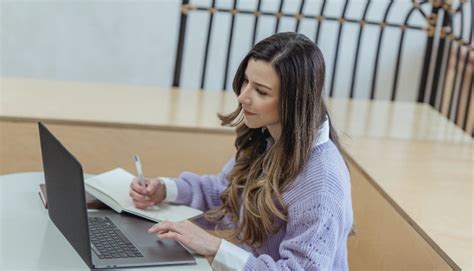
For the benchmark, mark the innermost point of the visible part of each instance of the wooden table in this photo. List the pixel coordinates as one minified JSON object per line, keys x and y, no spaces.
{"x":430,"y":184}
{"x":411,"y":168}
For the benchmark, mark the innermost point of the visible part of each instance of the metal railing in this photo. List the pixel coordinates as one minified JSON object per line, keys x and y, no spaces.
{"x":446,"y":74}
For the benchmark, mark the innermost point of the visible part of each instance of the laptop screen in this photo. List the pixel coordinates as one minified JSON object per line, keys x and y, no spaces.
{"x":65,"y":191}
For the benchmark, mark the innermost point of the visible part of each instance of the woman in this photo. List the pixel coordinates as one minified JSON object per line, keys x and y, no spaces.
{"x":286,"y":195}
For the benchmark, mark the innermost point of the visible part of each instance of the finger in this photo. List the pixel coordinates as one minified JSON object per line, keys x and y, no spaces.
{"x":152,"y":187}
{"x":142,"y":205}
{"x":134,"y":181}
{"x":174,"y":236}
{"x":155,"y":228}
{"x":162,"y":226}
{"x":168,"y":235}
{"x":182,"y":239}
{"x":135,"y":185}
{"x":137,"y":196}
{"x":166,"y":226}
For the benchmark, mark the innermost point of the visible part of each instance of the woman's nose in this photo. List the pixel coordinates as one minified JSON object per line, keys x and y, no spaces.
{"x":243,"y":97}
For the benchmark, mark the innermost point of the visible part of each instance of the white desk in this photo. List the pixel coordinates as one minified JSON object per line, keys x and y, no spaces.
{"x":28,"y":238}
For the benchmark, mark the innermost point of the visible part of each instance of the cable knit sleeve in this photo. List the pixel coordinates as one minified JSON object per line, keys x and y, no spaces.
{"x":313,"y":231}
{"x":202,"y":191}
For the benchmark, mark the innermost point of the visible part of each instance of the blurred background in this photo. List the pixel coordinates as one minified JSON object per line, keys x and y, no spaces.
{"x":134,"y":42}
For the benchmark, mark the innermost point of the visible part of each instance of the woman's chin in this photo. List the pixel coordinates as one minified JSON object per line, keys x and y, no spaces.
{"x":251,"y":125}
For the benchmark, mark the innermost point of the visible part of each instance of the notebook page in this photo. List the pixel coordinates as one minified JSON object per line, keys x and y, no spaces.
{"x":115,"y":184}
{"x":165,"y":211}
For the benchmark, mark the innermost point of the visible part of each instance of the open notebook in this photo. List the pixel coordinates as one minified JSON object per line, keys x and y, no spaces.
{"x":112,"y":188}
{"x":91,"y":201}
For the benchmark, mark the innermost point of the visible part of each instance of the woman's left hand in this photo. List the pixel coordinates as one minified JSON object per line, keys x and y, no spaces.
{"x":188,"y":234}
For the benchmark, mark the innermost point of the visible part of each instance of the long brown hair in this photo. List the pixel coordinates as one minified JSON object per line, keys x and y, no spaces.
{"x":262,"y":174}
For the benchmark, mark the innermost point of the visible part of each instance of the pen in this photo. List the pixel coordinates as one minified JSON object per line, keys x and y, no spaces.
{"x":138,"y":165}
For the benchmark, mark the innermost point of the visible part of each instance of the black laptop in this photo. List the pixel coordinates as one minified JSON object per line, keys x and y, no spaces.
{"x":103,"y":238}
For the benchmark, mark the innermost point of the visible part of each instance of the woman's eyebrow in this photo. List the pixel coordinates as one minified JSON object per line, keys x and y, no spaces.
{"x":263,"y":86}
{"x":258,"y":84}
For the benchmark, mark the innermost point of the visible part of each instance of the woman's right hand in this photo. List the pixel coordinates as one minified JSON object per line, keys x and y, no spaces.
{"x":154,"y":193}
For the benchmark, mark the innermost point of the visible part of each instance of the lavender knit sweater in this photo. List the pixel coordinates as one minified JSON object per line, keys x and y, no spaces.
{"x":319,"y":214}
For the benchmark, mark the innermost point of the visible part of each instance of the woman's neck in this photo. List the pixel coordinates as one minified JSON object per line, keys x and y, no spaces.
{"x":275,"y":131}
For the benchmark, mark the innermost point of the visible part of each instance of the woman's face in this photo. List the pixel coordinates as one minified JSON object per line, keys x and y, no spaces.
{"x":260,"y":96}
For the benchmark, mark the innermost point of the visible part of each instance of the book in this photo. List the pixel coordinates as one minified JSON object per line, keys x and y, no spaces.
{"x":91,"y":201}
{"x":112,"y":188}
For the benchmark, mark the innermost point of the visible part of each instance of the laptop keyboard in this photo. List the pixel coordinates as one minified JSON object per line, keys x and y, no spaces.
{"x":108,"y":242}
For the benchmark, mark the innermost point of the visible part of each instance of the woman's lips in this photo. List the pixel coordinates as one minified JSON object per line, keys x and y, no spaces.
{"x":247,"y":113}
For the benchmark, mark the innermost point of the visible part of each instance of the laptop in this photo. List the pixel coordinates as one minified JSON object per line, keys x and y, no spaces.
{"x":103,"y":238}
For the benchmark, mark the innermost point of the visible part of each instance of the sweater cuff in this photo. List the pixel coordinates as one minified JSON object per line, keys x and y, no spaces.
{"x":230,"y":257}
{"x":185,"y":193}
{"x":171,"y":189}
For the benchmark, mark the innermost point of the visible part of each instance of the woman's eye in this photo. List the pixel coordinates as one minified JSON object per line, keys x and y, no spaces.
{"x":260,"y":92}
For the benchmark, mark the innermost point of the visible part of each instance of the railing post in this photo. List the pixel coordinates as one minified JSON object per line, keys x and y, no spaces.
{"x":428,"y":52}
{"x":181,"y":39}
{"x":439,"y":58}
